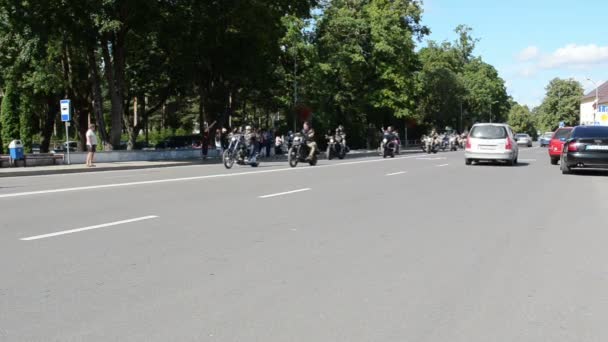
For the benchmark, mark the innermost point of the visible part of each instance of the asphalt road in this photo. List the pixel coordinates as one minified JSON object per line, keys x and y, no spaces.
{"x":419,"y":248}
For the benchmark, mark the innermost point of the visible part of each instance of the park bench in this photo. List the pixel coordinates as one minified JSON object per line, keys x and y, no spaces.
{"x":5,"y":159}
{"x":44,"y":156}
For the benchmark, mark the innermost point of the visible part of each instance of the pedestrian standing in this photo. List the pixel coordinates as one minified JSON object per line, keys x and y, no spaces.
{"x":218,"y":141}
{"x":91,"y":145}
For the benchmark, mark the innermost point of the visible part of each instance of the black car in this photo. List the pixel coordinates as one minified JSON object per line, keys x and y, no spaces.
{"x":586,"y":148}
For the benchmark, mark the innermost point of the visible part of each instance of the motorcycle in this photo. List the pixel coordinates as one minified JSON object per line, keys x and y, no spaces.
{"x":462,"y":141}
{"x":444,"y":142}
{"x":432,"y":145}
{"x":237,"y":152}
{"x":423,"y":143}
{"x":453,"y":142}
{"x":299,"y":151}
{"x":389,"y":146}
{"x":336,"y":147}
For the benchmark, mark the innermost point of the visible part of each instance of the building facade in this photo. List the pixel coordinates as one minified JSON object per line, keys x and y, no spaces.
{"x":592,"y":114}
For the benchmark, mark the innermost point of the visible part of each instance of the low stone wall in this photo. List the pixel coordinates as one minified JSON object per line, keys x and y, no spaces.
{"x":131,"y":156}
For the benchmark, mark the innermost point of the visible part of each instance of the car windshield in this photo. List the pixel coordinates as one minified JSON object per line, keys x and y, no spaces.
{"x":548,"y":135}
{"x":520,"y":135}
{"x":562,"y":133}
{"x":590,"y":132}
{"x":489,"y":132}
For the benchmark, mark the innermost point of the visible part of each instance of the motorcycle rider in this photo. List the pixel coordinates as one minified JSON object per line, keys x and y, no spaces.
{"x":340,"y":135}
{"x":340,"y":132}
{"x":389,"y":134}
{"x":251,"y":139}
{"x":309,"y":133}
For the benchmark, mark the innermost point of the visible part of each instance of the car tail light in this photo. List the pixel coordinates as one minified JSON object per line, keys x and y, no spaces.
{"x":468,"y":143}
{"x":573,"y":147}
{"x":509,"y":145}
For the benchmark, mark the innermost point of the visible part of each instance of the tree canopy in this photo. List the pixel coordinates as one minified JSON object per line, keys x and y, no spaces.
{"x":135,"y":67}
{"x":561,"y":104}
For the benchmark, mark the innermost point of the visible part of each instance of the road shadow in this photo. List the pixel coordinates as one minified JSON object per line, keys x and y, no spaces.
{"x":590,"y":173}
{"x":500,"y":164}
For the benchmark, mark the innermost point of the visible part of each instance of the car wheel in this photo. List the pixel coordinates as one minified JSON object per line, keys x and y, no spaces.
{"x":566,"y":170}
{"x":554,"y":161}
{"x":468,"y":161}
{"x":510,"y":162}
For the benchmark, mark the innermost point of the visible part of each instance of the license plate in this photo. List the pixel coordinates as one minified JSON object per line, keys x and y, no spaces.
{"x":482,"y":147}
{"x":597,"y":147}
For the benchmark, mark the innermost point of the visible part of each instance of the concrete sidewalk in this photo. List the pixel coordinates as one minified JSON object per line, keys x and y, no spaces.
{"x":118,"y":166}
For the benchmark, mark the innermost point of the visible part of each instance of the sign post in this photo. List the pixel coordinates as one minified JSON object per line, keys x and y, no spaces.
{"x":66,"y":117}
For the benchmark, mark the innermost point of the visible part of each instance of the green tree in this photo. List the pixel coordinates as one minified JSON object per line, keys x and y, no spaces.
{"x":561,"y":103}
{"x":440,"y":90}
{"x":365,"y":71}
{"x":521,"y":120}
{"x":10,"y":114}
{"x":487,"y":98}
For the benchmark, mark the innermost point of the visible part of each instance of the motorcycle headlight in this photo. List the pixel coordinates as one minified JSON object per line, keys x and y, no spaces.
{"x":385,"y":140}
{"x":233,"y":138}
{"x":331,"y":140}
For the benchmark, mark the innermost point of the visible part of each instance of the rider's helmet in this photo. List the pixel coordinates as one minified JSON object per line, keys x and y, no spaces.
{"x":248,"y":129}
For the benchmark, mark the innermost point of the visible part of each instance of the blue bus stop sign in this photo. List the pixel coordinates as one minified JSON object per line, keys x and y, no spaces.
{"x":65,"y":110}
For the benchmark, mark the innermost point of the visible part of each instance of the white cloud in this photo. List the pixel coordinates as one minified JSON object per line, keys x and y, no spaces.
{"x":575,"y":56}
{"x":528,"y":54}
{"x":527,"y":71}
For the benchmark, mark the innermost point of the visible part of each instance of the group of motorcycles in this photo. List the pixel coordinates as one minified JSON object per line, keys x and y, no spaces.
{"x":450,"y":142}
{"x":297,"y":147}
{"x":298,"y":151}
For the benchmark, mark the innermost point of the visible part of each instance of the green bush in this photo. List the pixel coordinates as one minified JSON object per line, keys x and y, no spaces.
{"x":9,"y":116}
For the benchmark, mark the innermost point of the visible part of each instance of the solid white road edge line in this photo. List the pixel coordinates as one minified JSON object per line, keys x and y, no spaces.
{"x":396,"y":173}
{"x":285,"y":193}
{"x":442,"y":165}
{"x":105,"y":225}
{"x":172,"y":180}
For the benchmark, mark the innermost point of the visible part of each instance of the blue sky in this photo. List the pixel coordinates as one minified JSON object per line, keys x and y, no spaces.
{"x":530,"y":42}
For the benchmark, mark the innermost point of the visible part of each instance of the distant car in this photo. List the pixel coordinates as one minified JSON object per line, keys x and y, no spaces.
{"x":491,"y":142}
{"x":545,"y":139}
{"x":556,"y":145}
{"x":523,"y":139}
{"x":180,"y":142}
{"x":586,"y":148}
{"x":63,"y":147}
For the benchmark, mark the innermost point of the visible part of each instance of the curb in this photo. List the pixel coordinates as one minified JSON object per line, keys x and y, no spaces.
{"x":34,"y":172}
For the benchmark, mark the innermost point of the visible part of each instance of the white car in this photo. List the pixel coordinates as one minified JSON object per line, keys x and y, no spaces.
{"x":523,"y":139}
{"x":491,"y":142}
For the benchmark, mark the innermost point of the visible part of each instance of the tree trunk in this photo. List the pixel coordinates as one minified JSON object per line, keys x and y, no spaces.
{"x":49,"y":122}
{"x":97,"y":97}
{"x":116,"y":97}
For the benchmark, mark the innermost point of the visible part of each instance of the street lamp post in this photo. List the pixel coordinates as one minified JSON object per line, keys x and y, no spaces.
{"x":295,"y":87}
{"x":597,"y":98}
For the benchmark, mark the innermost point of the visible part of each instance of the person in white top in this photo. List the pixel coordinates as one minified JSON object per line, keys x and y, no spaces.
{"x":91,"y":145}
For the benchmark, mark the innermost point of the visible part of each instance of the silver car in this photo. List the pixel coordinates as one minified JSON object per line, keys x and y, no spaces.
{"x":523,"y":139}
{"x":491,"y":142}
